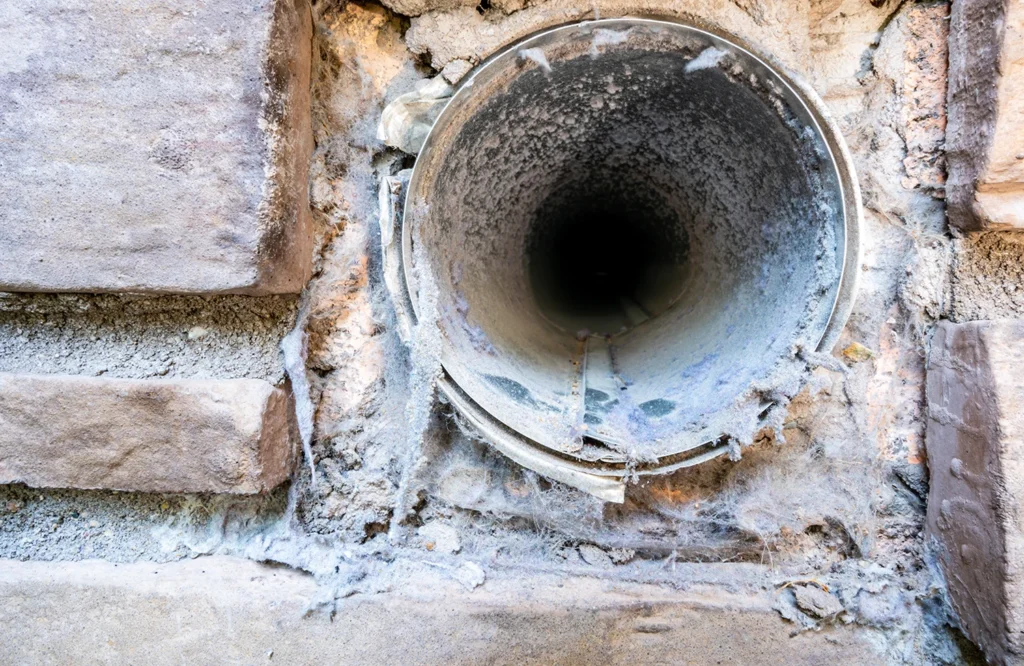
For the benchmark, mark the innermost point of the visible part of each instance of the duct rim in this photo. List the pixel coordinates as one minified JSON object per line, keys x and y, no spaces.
{"x":796,"y":93}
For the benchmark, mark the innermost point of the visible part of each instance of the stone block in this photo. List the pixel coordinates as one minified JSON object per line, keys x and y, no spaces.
{"x":216,"y":610}
{"x":975,"y":444}
{"x":221,"y":436}
{"x":985,"y":134}
{"x":154,"y":147}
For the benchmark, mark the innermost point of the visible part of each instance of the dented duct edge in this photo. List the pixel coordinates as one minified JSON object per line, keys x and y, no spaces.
{"x":529,"y":455}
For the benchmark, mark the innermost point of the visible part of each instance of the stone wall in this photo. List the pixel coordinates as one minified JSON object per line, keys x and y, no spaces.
{"x":217,"y":165}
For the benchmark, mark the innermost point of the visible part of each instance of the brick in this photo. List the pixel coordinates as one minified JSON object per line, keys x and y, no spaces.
{"x":155,"y":147}
{"x":217,"y":610}
{"x":975,"y":444}
{"x":985,"y":135}
{"x":222,"y":436}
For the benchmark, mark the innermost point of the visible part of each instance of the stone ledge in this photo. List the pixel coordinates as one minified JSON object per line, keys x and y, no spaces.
{"x":221,"y":436}
{"x":975,"y":443}
{"x":158,"y":148}
{"x":224,"y":610}
{"x":985,"y":134}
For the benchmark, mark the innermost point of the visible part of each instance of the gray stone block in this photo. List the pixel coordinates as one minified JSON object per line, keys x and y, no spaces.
{"x":154,"y":147}
{"x":221,"y":436}
{"x":975,"y":443}
{"x":216,"y":610}
{"x":985,"y":133}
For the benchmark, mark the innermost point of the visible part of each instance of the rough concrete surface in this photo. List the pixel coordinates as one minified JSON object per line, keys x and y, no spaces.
{"x":154,"y":148}
{"x":975,"y":445}
{"x":228,"y":436}
{"x":229,"y":611}
{"x":988,"y":277}
{"x":47,"y":525}
{"x":986,"y":117}
{"x":143,"y":337}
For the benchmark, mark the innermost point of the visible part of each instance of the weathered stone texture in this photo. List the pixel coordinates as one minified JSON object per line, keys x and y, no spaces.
{"x":155,"y":148}
{"x":215,"y":610}
{"x":986,"y":115}
{"x":975,"y":443}
{"x":224,"y":436}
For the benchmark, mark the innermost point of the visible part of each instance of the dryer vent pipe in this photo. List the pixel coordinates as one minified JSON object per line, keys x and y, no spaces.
{"x":637,"y":230}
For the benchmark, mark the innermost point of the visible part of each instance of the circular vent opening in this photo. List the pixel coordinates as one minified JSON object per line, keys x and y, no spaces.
{"x":635,"y":228}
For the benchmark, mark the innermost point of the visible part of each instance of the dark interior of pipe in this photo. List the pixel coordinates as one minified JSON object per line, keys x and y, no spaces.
{"x":602,"y":261}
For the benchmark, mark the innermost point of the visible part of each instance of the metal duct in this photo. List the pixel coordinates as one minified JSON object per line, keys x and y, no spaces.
{"x":635,"y":228}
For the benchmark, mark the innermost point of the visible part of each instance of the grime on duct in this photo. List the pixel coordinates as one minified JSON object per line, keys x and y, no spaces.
{"x":638,"y":232}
